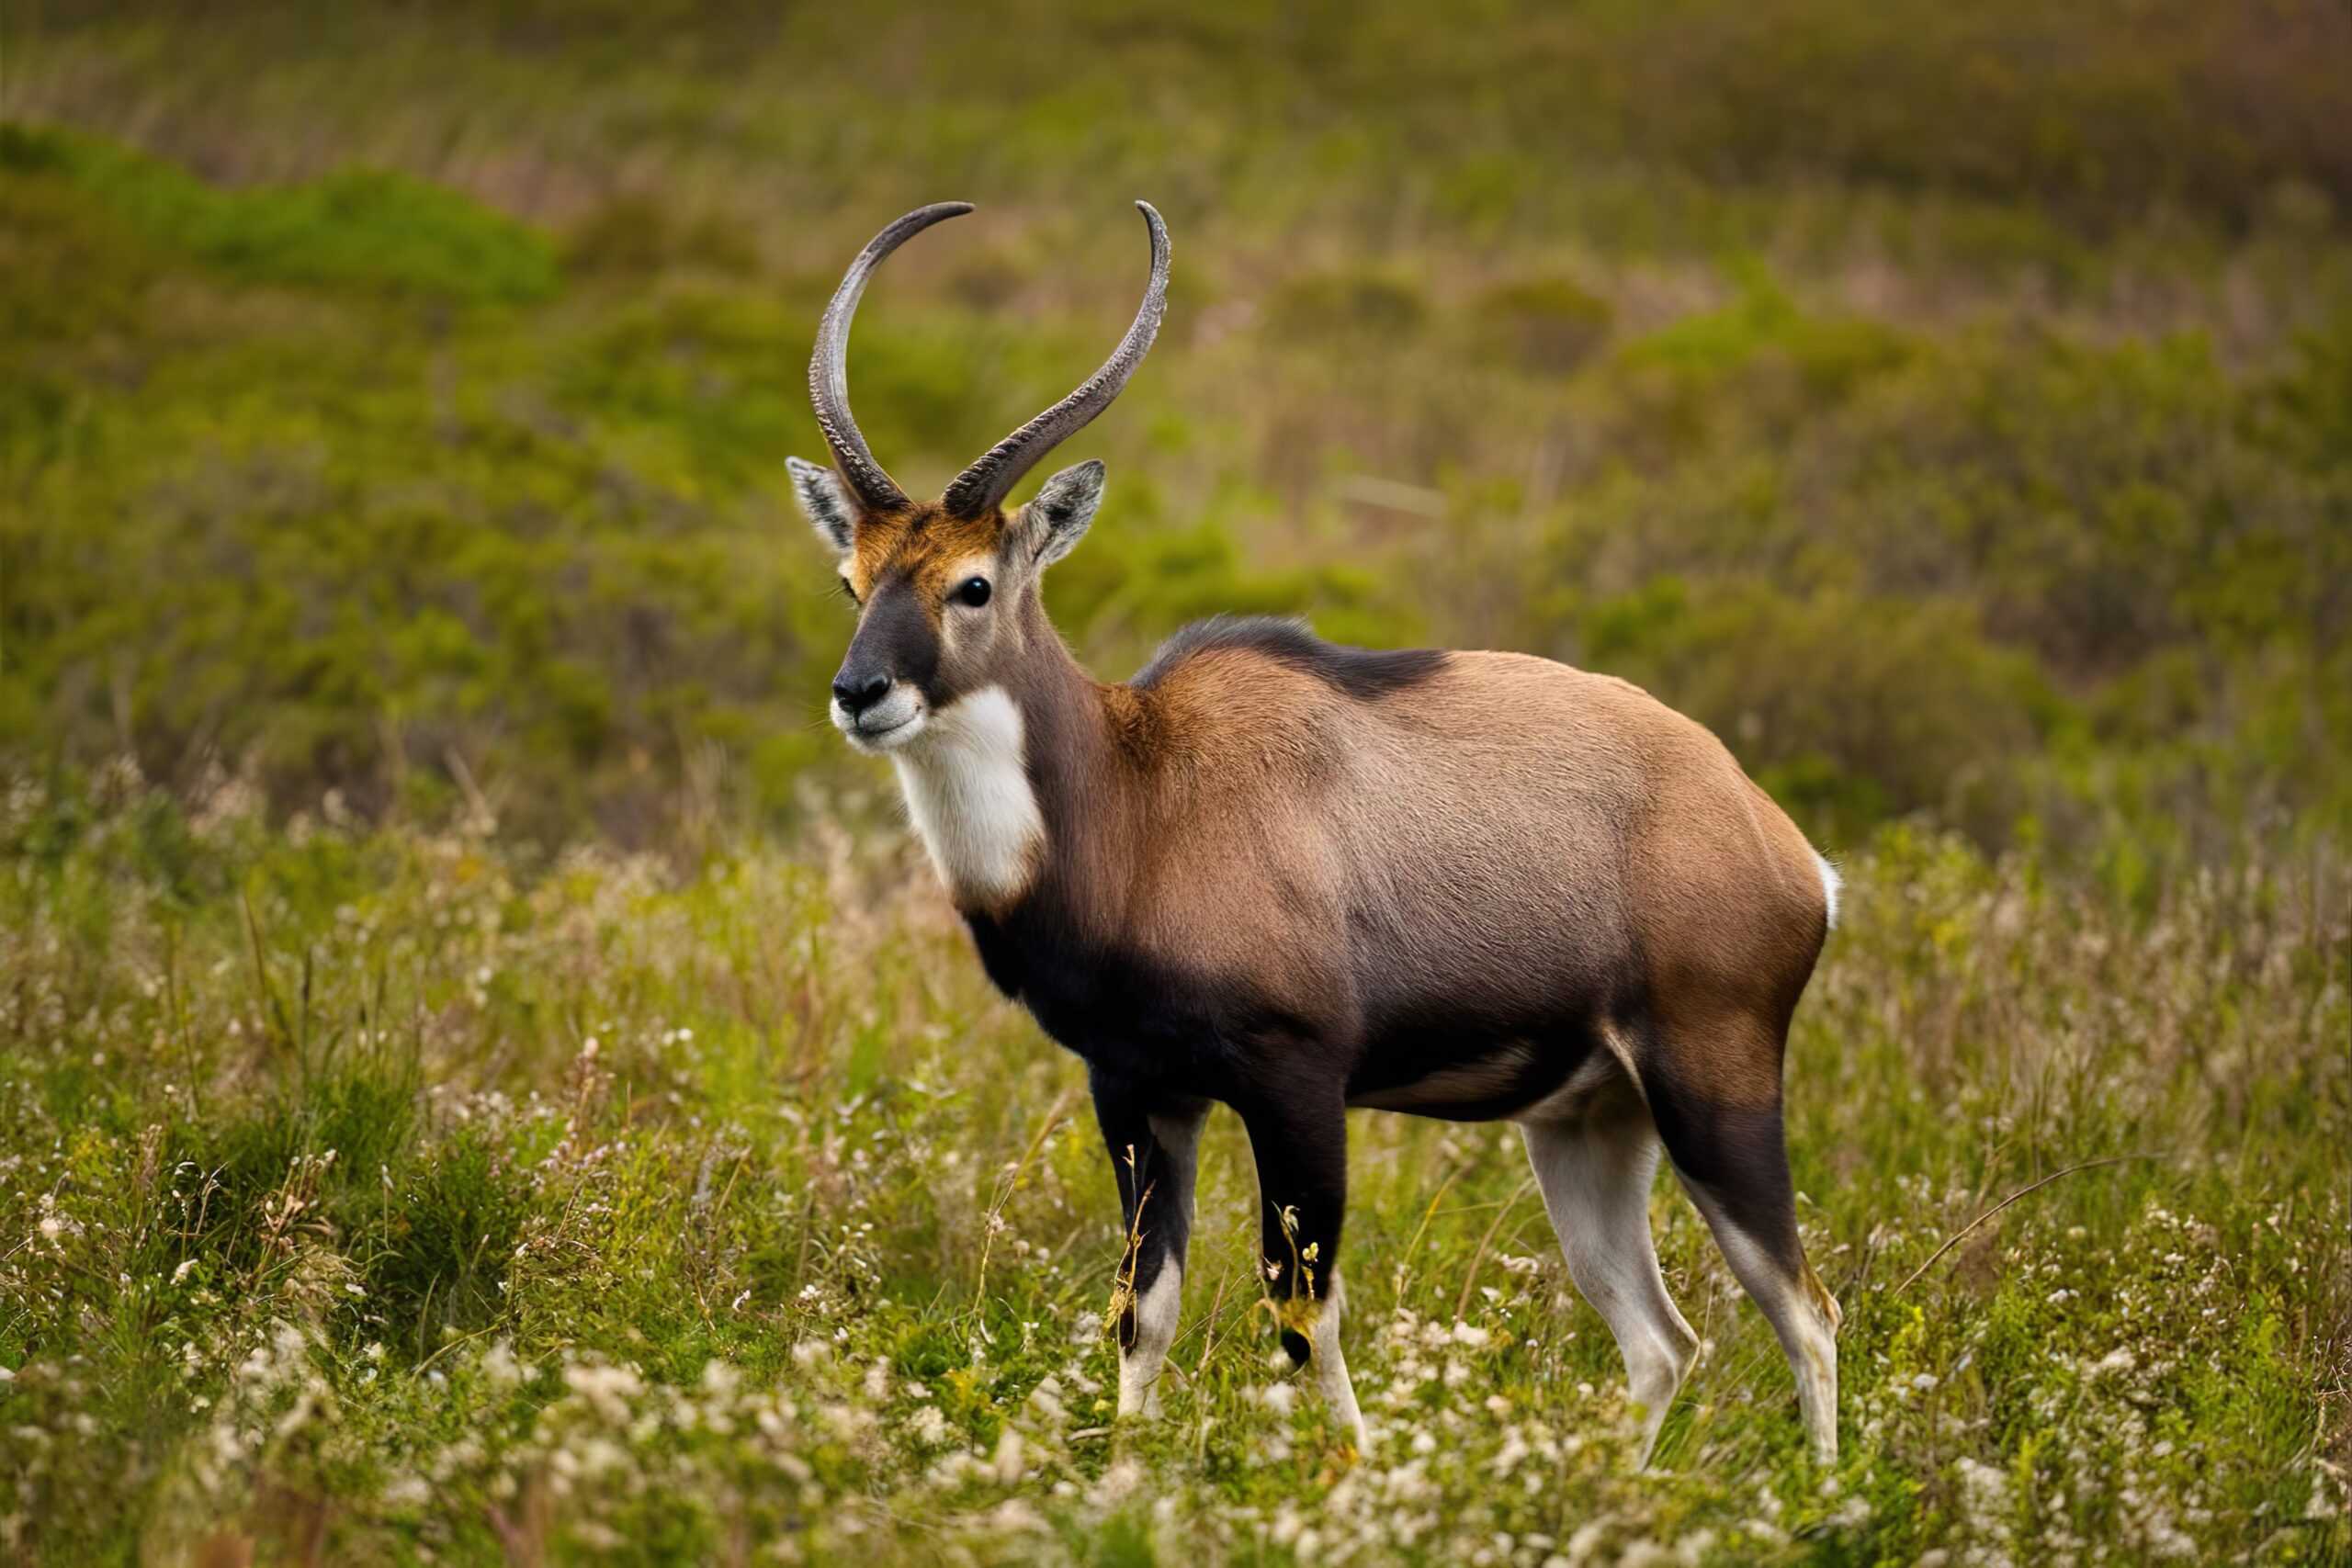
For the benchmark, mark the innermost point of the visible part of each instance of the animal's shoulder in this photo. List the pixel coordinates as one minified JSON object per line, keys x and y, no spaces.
{"x":1365,"y":674}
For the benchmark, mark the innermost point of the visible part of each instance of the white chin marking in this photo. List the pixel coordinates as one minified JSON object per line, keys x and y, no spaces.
{"x":1830,"y":883}
{"x":968,"y":789}
{"x":889,"y":725}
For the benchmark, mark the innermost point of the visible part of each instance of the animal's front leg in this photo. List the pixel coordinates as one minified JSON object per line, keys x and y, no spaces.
{"x":1300,"y":1142}
{"x":1151,"y":1138}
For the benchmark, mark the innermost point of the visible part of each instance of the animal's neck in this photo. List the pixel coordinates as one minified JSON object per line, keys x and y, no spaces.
{"x":997,"y":783}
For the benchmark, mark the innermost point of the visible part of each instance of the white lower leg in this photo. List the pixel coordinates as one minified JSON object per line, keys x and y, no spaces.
{"x":1817,"y":1397}
{"x":1656,"y":1364}
{"x":1140,"y":1364}
{"x":1803,"y":1316}
{"x":1332,"y":1365}
{"x":1809,"y":1339}
{"x":1596,"y":1180}
{"x":1158,"y":1307}
{"x":1814,"y":1359}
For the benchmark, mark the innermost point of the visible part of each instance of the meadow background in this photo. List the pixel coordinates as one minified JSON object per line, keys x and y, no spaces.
{"x":483,"y":1078}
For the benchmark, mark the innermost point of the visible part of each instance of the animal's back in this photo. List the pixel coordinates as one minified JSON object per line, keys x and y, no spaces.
{"x":1470,"y":845}
{"x":1552,"y":764}
{"x":1586,"y":840}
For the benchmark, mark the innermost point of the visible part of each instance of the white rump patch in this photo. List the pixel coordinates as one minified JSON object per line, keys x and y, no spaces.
{"x":968,"y":789}
{"x":1830,"y":883}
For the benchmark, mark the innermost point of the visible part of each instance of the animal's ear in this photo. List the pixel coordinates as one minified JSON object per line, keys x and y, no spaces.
{"x":825,"y":502}
{"x":1050,"y":526}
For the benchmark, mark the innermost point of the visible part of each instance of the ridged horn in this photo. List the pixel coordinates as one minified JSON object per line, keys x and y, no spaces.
{"x":983,"y":486}
{"x":829,"y":365}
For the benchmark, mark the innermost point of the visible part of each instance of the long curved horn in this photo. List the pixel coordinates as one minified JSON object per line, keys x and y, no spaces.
{"x":829,"y":365}
{"x":983,"y":486}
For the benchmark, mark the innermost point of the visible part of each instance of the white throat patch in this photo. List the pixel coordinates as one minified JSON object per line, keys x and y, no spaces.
{"x":968,"y":793}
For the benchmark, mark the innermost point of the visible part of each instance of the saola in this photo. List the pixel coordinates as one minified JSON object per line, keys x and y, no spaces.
{"x":1292,"y":878}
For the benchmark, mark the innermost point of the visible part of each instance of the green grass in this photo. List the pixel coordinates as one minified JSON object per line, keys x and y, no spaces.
{"x":374,"y":1196}
{"x":482,"y":1077}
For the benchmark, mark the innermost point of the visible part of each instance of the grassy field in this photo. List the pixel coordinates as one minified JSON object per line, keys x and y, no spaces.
{"x":484,"y":1077}
{"x":370,"y":1198}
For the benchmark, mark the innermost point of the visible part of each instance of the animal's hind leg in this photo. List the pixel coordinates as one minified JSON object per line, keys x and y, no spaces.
{"x":1595,"y":1169}
{"x":1734,"y":1162}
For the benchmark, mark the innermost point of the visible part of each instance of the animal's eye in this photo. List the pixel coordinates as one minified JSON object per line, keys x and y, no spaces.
{"x":849,"y":592}
{"x":974,"y":591}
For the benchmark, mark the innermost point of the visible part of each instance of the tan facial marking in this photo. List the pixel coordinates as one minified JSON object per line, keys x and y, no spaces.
{"x":926,"y":545}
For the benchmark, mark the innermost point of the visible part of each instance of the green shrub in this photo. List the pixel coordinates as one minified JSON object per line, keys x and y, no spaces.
{"x":1345,"y":304}
{"x":358,"y":229}
{"x":1547,"y":325}
{"x":1848,"y":709}
{"x":636,"y":237}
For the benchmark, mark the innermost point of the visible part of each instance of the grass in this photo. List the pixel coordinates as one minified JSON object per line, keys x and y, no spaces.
{"x":378,"y":1194}
{"x":482,"y":1077}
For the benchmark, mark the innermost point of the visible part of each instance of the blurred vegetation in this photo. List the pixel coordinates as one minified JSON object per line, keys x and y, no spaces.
{"x":1952,"y":407}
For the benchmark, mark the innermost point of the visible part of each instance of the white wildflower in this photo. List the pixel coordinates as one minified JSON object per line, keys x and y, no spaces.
{"x":2120,"y":1359}
{"x":408,"y":1492}
{"x":606,"y":1389}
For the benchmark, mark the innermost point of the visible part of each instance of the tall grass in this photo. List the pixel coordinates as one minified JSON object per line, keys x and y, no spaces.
{"x":373,"y":1195}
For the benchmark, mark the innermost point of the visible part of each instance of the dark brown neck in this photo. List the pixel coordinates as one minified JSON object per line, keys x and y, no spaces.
{"x":1080,"y":762}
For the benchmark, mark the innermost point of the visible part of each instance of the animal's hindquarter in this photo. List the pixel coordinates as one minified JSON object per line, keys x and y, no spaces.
{"x":1540,"y":855}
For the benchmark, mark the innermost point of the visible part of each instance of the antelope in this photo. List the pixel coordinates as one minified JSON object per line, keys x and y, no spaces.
{"x":1292,"y":878}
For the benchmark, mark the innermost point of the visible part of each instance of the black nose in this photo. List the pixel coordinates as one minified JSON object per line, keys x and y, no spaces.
{"x":857,"y":692}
